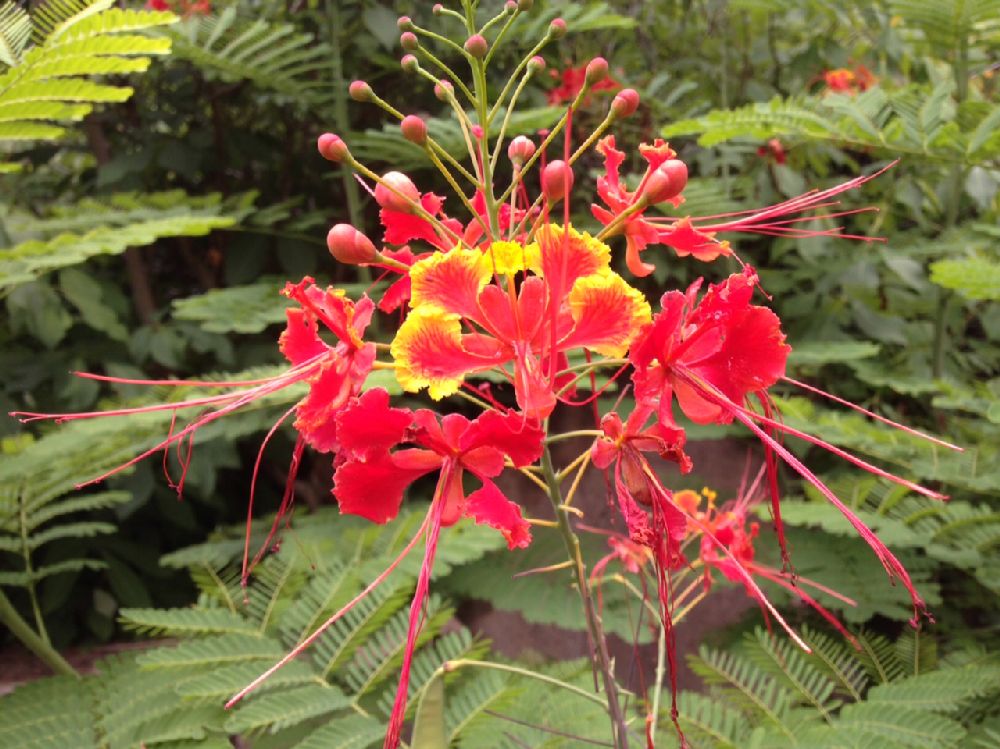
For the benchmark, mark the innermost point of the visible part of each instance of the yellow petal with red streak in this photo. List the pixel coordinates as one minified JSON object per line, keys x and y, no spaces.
{"x":607,"y":312}
{"x":450,"y":281}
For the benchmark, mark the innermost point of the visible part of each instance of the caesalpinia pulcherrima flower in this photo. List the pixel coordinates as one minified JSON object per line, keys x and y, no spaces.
{"x":514,"y":294}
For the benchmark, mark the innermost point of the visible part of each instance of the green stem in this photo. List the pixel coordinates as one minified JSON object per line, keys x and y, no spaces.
{"x":30,"y":570}
{"x":343,"y":122}
{"x":23,"y":632}
{"x":594,"y":626}
{"x":455,"y":665}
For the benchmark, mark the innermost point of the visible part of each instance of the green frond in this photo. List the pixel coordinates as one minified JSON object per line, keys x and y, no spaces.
{"x":51,"y":713}
{"x":82,"y":529}
{"x":837,"y":659}
{"x":54,"y":17}
{"x":129,"y":698}
{"x":795,"y":670}
{"x":942,"y":691}
{"x":710,"y":723}
{"x":918,"y":652}
{"x":119,"y":222}
{"x":288,"y":707}
{"x":74,"y":41}
{"x":274,"y":584}
{"x":191,"y":621}
{"x":352,"y":732}
{"x":25,"y":579}
{"x":258,"y":305}
{"x":382,"y":654}
{"x":947,"y":25}
{"x":335,"y":646}
{"x":324,"y":594}
{"x":745,"y":684}
{"x":213,"y":650}
{"x":223,"y":681}
{"x":880,"y":659}
{"x":427,"y":660}
{"x":902,"y":725}
{"x":467,"y":701}
{"x":272,"y":56}
{"x":15,"y":32}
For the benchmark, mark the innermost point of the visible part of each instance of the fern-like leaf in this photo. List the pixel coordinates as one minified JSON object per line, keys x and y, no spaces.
{"x":287,"y":707}
{"x":50,"y":80}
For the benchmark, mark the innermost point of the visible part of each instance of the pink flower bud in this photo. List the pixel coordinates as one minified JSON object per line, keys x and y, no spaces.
{"x":520,"y":149}
{"x":536,"y":64}
{"x":557,"y":181}
{"x":332,"y":147}
{"x":408,"y":41}
{"x":409,"y":64}
{"x":438,"y":9}
{"x":510,"y":6}
{"x":394,"y":189}
{"x":477,"y":132}
{"x":443,"y":90}
{"x":350,"y":246}
{"x":557,"y":29}
{"x":404,"y":23}
{"x":597,"y":71}
{"x":625,"y":103}
{"x":476,"y":46}
{"x":360,"y":91}
{"x":667,"y":182}
{"x":414,"y":129}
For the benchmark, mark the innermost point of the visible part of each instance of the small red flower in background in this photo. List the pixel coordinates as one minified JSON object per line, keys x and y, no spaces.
{"x":846,"y":81}
{"x":773,"y":150}
{"x":571,"y":83}
{"x":183,"y":7}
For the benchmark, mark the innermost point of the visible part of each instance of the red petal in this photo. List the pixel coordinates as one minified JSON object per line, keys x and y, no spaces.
{"x":300,"y":340}
{"x":516,"y":436}
{"x":489,"y":506}
{"x":373,"y":488}
{"x":368,"y":425}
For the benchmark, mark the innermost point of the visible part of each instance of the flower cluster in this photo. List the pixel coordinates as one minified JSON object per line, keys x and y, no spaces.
{"x":515,"y":311}
{"x":847,"y":81}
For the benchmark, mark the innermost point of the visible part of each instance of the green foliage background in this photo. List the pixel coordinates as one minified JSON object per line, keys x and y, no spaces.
{"x":161,"y":182}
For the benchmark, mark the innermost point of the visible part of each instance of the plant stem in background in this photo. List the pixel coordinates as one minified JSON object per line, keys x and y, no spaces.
{"x":23,"y":632}
{"x":595,"y":629}
{"x":342,"y":121}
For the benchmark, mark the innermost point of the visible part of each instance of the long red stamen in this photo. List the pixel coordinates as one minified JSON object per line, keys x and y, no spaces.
{"x":245,"y":573}
{"x":873,"y":415}
{"x":398,"y":715}
{"x":297,"y":650}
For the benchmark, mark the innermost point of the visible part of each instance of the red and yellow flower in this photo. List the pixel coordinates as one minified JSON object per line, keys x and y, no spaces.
{"x":524,"y":305}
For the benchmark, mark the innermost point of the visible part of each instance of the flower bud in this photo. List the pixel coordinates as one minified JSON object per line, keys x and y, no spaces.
{"x":360,"y":91}
{"x":520,"y":149}
{"x":332,"y":147}
{"x":557,"y":29}
{"x":404,"y":23}
{"x":510,"y":6}
{"x":394,"y":189}
{"x":476,"y":46}
{"x":414,"y":129}
{"x":350,"y":246}
{"x":409,"y":64}
{"x":625,"y":103}
{"x":525,"y":5}
{"x":477,"y":132}
{"x":597,"y":71}
{"x":668,"y":181}
{"x":443,"y":90}
{"x":438,"y":9}
{"x":536,"y":64}
{"x":408,"y":41}
{"x":557,"y":181}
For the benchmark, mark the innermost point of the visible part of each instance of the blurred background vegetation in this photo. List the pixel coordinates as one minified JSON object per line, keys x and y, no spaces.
{"x":161,"y":182}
